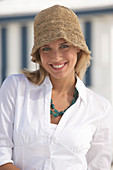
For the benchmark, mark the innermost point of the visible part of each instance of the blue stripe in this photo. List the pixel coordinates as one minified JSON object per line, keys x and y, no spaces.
{"x":24,"y":47}
{"x":95,"y":11}
{"x":88,"y":42}
{"x":4,"y":53}
{"x":17,"y":18}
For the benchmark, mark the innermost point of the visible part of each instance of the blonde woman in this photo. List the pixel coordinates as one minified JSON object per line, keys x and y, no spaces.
{"x":49,"y":120}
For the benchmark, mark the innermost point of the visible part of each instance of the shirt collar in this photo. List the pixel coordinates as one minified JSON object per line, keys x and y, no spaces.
{"x":81,"y":89}
{"x":79,"y":85}
{"x":46,"y":82}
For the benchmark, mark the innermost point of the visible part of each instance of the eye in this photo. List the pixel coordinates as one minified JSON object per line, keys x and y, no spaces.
{"x":45,"y":48}
{"x":64,"y":46}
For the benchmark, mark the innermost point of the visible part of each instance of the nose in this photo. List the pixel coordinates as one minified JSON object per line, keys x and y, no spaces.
{"x":56,"y":55}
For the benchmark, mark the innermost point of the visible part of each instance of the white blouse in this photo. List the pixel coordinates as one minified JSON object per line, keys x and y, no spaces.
{"x":52,"y":129}
{"x":81,"y":141}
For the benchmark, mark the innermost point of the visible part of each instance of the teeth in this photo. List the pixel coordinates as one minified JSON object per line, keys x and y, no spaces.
{"x":58,"y":66}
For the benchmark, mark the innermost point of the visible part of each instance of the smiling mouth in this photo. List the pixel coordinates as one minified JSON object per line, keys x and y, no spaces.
{"x":58,"y":66}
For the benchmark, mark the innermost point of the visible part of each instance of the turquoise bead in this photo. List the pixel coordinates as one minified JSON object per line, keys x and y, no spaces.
{"x":61,"y":113}
{"x":56,"y":113}
{"x":51,"y":112}
{"x":52,"y":106}
{"x":73,"y":101}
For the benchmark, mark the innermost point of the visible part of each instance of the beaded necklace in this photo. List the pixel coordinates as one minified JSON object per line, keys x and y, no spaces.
{"x":55,"y":112}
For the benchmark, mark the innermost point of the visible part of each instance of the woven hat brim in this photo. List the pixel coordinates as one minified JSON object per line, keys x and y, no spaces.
{"x":52,"y":31}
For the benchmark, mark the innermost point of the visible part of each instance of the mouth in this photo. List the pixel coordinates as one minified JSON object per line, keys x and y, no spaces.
{"x":58,"y":66}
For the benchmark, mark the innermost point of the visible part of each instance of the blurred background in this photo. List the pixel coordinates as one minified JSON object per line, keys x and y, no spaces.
{"x":96,"y":20}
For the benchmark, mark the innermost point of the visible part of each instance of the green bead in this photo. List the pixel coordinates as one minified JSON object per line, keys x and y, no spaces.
{"x":51,"y":112}
{"x":52,"y":106}
{"x":61,"y":113}
{"x":56,"y":111}
{"x":73,"y":101}
{"x":55,"y":115}
{"x":74,"y":95}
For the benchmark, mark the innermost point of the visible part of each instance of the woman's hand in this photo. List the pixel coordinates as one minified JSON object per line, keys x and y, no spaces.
{"x":8,"y":166}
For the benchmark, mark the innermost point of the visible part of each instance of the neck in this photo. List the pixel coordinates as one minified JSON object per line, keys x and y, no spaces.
{"x":63,"y":85}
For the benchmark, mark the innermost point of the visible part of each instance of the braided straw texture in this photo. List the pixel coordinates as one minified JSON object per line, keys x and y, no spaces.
{"x":54,"y":23}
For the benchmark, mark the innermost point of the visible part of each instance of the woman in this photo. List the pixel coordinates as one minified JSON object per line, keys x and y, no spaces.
{"x":49,"y":119}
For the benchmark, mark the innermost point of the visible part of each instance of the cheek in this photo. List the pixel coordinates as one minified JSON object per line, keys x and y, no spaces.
{"x":43,"y":59}
{"x":73,"y":54}
{"x":73,"y":58}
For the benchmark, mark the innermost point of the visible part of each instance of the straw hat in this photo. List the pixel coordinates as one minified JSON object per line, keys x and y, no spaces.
{"x":54,"y":23}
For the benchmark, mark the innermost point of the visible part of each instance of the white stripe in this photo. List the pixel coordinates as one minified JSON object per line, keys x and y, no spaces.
{"x":14,"y":49}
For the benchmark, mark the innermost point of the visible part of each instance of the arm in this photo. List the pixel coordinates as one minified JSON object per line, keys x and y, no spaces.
{"x":7,"y":110}
{"x":8,"y":166}
{"x":99,"y":155}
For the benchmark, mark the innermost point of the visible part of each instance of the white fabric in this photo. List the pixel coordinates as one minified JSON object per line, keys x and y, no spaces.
{"x":81,"y":141}
{"x":52,"y":130}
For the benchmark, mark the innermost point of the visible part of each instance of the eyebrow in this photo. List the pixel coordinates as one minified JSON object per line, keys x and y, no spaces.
{"x":59,"y":44}
{"x":63,"y":43}
{"x":45,"y":45}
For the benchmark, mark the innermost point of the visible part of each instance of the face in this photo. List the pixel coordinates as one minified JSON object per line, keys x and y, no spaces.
{"x":59,"y":59}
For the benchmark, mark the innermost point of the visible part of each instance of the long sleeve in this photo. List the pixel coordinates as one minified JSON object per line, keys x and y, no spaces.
{"x":7,"y":109}
{"x":100,"y":154}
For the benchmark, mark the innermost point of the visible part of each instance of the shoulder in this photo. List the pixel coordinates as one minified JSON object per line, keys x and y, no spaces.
{"x":91,"y":98}
{"x":21,"y":82}
{"x":95,"y":97}
{"x":102,"y":110}
{"x":97,"y":102}
{"x":13,"y":80}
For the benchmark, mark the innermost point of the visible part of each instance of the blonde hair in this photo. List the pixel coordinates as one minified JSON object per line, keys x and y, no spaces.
{"x":38,"y":76}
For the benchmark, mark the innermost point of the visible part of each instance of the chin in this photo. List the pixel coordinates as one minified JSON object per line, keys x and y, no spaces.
{"x":58,"y":77}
